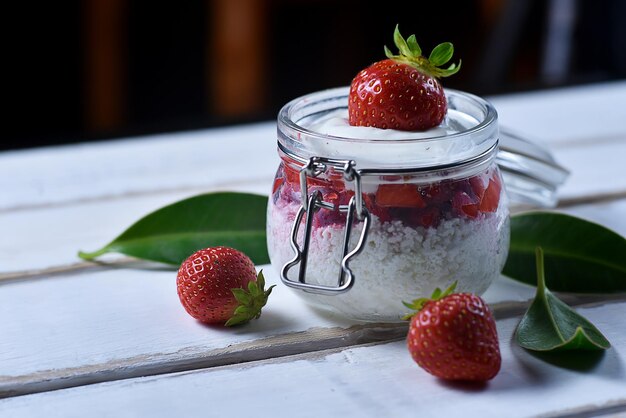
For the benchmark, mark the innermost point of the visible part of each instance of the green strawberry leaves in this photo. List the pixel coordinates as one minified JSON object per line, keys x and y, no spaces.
{"x":411,"y":54}
{"x":441,"y":54}
{"x":402,"y":45}
{"x":414,"y":46}
{"x":581,"y":256}
{"x":416,"y":305}
{"x":551,"y":325}
{"x":170,"y":234}
{"x":251,"y":301}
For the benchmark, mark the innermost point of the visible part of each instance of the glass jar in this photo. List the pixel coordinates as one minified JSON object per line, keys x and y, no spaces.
{"x":358,"y":225}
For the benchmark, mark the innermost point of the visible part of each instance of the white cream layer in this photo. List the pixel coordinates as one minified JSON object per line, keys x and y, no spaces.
{"x":336,"y":123}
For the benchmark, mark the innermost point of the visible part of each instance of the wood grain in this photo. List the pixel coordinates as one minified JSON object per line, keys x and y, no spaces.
{"x":59,"y":232}
{"x":72,"y":324}
{"x":198,"y":160}
{"x":363,"y":381}
{"x":121,"y":323}
{"x":566,"y":116}
{"x":195,"y":161}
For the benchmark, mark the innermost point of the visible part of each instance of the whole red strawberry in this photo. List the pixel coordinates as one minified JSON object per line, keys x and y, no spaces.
{"x":453,"y":336}
{"x":219,"y":285}
{"x":402,"y":92}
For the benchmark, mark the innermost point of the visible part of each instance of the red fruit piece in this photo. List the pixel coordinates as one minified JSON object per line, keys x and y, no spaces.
{"x":491,"y":198}
{"x":219,"y":285}
{"x":278,"y":181}
{"x":330,"y":179}
{"x":466,"y":204}
{"x":478,"y":186}
{"x":292,"y":176}
{"x":454,"y":337}
{"x":369,"y":200}
{"x":402,"y":92}
{"x":399,"y":196}
{"x":325,"y":217}
{"x":429,"y":217}
{"x":436,"y":193}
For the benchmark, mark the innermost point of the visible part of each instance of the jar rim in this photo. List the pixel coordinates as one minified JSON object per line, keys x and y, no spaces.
{"x":438,"y":150}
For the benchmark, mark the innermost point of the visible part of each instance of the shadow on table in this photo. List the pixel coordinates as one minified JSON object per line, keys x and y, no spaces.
{"x":604,"y":363}
{"x":579,"y":361}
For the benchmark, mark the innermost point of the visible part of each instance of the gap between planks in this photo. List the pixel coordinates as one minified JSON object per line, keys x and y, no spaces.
{"x":311,"y":343}
{"x":579,"y":142}
{"x":270,"y":348}
{"x":192,"y":190}
{"x":124,"y":262}
{"x":613,"y":408}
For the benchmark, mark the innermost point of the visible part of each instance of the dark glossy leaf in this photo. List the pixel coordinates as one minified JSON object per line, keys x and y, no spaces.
{"x":580,"y":256}
{"x":549,"y":324}
{"x":174,"y":232}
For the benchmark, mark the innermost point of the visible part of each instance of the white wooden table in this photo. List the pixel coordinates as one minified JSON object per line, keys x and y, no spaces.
{"x":79,"y":339}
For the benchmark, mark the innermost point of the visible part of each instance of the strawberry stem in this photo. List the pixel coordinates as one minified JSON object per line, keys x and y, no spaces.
{"x":411,"y":54}
{"x":251,"y":301}
{"x":417,"y":304}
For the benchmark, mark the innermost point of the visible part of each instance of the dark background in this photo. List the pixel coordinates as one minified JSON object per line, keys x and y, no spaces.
{"x":80,"y":71}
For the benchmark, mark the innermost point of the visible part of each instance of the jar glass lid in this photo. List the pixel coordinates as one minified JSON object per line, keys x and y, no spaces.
{"x":470,"y":130}
{"x":531,"y":174}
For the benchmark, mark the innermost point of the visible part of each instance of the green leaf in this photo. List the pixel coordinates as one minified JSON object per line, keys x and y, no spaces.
{"x":401,"y":43}
{"x":176,"y":231}
{"x":417,"y":304}
{"x":253,"y":288}
{"x":388,"y":52}
{"x":414,"y":46}
{"x":242,"y":310}
{"x":580,"y":256}
{"x":441,"y":54}
{"x":251,"y":302}
{"x":241,"y":296}
{"x":549,"y":324}
{"x":237,"y":320}
{"x":260,"y":280}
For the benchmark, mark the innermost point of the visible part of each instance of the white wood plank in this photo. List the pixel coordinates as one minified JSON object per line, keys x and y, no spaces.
{"x":57,"y":233}
{"x":204,"y":159}
{"x":117,"y":322}
{"x":41,"y":238}
{"x":170,"y":162}
{"x":610,"y":214}
{"x":369,"y":381}
{"x":124,"y":322}
{"x":594,"y":170}
{"x":592,"y":113}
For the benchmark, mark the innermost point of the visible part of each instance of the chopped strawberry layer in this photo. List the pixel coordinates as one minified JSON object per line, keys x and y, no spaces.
{"x":415,"y":205}
{"x":292,"y":175}
{"x":399,"y":196}
{"x":478,"y":186}
{"x":491,"y":198}
{"x":465,"y":203}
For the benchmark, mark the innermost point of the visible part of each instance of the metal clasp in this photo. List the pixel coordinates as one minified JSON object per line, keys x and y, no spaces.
{"x":311,"y":204}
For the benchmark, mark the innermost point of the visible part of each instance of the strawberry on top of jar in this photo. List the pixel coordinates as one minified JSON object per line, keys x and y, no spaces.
{"x":402,"y":92}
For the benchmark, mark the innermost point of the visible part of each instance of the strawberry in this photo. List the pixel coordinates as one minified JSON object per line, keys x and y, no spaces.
{"x":219,"y":285}
{"x":491,"y":197}
{"x":453,"y":336}
{"x":402,"y":92}
{"x":403,"y":195}
{"x":465,"y":204}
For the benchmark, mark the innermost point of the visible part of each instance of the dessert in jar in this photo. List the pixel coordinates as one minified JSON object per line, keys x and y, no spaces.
{"x":362,"y":216}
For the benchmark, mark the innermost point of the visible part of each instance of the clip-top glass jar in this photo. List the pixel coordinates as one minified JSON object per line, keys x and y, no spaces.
{"x":359,"y":223}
